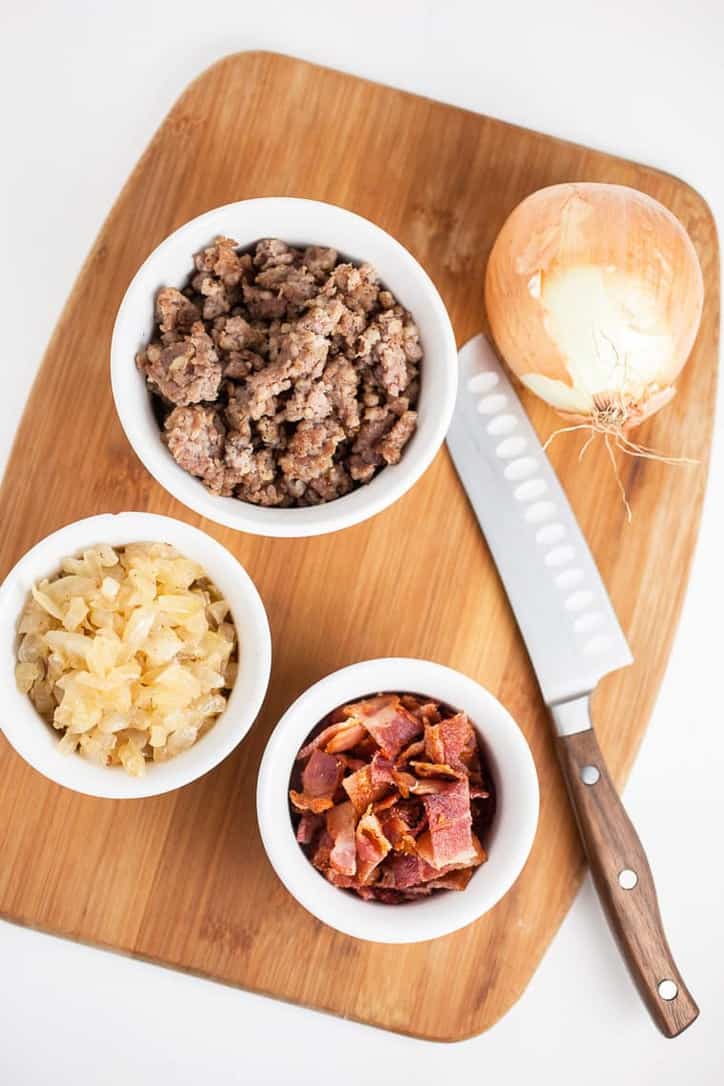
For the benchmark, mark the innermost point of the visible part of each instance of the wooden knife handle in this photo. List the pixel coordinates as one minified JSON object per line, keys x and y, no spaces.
{"x":624,"y":882}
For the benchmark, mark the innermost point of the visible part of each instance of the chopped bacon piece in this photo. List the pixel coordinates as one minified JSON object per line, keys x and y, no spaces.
{"x":320,"y":859}
{"x":346,"y":738}
{"x":404,"y":869}
{"x":418,"y":747}
{"x":428,"y":712}
{"x":385,"y":804}
{"x":452,"y":742}
{"x":308,"y":828}
{"x":434,"y":749}
{"x":341,"y":822}
{"x":360,"y":789}
{"x":342,"y":735}
{"x":321,"y":778}
{"x":372,"y":845}
{"x":429,"y":786}
{"x":453,"y":880}
{"x":382,"y":770}
{"x":366,"y":748}
{"x":478,"y":792}
{"x":450,"y":820}
{"x":385,"y":772}
{"x":397,"y":832}
{"x":425,"y":852}
{"x":430,"y":769}
{"x":393,"y":897}
{"x":345,"y":882}
{"x":369,"y":893}
{"x":353,"y":764}
{"x":389,"y":723}
{"x":414,"y":814}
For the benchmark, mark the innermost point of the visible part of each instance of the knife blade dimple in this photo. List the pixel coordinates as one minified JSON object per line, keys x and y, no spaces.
{"x":561,"y":605}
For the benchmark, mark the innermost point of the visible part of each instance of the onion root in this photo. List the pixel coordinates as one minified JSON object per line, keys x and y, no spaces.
{"x":609,"y":420}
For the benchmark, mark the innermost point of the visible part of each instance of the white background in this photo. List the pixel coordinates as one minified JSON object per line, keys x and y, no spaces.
{"x":83,"y":86}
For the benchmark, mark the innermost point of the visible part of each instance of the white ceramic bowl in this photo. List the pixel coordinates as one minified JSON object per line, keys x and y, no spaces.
{"x":299,"y":222}
{"x":511,"y":835}
{"x":37,"y":742}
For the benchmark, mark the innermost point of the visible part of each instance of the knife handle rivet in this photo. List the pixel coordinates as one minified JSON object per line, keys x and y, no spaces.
{"x":590,"y":774}
{"x":668,"y":990}
{"x":627,"y":879}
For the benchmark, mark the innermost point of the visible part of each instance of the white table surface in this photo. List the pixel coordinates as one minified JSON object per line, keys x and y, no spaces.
{"x":84,"y":86}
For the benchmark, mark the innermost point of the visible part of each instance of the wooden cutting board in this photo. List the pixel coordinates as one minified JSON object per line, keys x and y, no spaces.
{"x":182,"y":879}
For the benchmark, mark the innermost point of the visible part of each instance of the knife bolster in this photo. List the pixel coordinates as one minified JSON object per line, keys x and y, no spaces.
{"x":573,"y":716}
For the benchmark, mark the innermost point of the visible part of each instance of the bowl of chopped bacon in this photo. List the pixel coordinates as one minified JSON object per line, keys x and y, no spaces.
{"x":397,"y":800}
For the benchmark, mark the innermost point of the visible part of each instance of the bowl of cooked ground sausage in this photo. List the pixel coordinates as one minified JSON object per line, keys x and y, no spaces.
{"x":284,"y":367}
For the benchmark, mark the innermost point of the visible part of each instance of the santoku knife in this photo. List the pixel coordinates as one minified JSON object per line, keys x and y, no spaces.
{"x":573,"y":639}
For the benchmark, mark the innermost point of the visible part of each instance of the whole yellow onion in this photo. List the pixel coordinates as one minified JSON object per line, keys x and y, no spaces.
{"x":594,"y":295}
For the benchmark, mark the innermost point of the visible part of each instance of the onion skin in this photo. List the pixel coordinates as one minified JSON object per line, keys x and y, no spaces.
{"x":585,"y":277}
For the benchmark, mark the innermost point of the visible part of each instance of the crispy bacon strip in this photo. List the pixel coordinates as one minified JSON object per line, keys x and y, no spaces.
{"x":321,"y":777}
{"x":390,"y":724}
{"x":372,"y":845}
{"x":341,"y":822}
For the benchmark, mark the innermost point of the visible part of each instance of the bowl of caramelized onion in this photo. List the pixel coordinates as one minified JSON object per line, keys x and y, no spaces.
{"x":135,"y":655}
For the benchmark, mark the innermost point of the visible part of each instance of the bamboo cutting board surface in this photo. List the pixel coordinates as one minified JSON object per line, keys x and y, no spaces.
{"x":182,"y":879}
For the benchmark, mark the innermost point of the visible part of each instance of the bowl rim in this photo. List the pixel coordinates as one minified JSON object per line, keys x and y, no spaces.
{"x":516,"y":785}
{"x":20,"y":719}
{"x":351,"y":509}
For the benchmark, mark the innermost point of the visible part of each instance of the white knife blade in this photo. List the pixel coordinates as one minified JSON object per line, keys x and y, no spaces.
{"x":573,"y":639}
{"x":560,"y":603}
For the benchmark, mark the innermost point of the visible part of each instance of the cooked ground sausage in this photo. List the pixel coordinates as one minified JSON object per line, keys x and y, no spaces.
{"x":283,"y":376}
